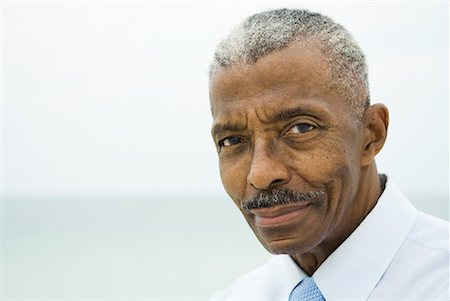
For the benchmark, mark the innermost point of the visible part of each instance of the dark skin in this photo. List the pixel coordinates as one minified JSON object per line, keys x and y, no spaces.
{"x":278,"y":124}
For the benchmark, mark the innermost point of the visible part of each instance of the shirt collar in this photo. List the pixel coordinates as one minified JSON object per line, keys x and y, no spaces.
{"x":353,"y":270}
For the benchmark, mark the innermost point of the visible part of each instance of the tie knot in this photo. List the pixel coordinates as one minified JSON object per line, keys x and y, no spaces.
{"x":306,"y":290}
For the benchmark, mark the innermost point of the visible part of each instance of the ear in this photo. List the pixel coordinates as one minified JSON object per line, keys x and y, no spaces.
{"x":375,"y":121}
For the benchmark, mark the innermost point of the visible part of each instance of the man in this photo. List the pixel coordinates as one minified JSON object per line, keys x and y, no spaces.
{"x":296,"y":137}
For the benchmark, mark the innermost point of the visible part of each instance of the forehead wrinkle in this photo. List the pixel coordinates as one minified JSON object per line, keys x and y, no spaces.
{"x":227,"y":124}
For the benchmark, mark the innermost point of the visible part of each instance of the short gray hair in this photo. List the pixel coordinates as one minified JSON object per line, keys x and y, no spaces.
{"x":270,"y":31}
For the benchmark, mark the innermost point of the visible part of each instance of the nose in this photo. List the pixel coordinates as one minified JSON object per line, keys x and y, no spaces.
{"x":267,"y":169}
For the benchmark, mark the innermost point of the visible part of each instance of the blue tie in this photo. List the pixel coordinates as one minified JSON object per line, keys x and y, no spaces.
{"x":306,"y":290}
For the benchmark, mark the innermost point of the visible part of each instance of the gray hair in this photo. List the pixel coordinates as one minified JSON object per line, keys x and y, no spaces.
{"x":270,"y":31}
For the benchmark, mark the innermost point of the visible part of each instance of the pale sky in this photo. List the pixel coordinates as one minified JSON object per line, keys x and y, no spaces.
{"x":106,"y":99}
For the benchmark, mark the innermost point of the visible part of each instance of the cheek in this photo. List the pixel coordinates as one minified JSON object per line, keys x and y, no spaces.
{"x":336,"y":170}
{"x":234,"y":178}
{"x":332,"y":167}
{"x":323,"y":164}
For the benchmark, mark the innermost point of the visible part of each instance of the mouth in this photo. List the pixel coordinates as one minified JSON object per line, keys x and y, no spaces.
{"x":279,"y":215}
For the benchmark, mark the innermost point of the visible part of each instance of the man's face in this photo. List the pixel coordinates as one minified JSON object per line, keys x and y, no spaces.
{"x":277,"y":126}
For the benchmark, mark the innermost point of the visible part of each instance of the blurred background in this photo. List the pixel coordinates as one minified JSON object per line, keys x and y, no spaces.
{"x":109,"y":178}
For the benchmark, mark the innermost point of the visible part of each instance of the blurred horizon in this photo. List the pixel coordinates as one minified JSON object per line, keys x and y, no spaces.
{"x":126,"y":248}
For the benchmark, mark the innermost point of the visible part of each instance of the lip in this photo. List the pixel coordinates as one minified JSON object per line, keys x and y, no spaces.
{"x":279,"y":215}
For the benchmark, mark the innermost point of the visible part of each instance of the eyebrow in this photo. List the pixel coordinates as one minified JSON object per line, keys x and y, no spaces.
{"x":226,"y":127}
{"x":290,"y":113}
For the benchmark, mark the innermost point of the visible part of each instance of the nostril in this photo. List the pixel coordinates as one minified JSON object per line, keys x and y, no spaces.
{"x":271,"y":185}
{"x":276,"y":182}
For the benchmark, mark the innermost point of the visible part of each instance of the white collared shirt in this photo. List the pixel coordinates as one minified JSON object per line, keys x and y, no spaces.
{"x":396,"y":253}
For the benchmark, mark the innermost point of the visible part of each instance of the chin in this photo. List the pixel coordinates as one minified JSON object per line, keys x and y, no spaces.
{"x":289,"y":239}
{"x":288,"y":246}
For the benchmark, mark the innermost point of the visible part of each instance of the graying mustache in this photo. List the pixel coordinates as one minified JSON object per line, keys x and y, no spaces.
{"x":275,"y":197}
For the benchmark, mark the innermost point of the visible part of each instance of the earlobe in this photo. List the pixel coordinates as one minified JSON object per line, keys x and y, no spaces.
{"x":375,"y":122}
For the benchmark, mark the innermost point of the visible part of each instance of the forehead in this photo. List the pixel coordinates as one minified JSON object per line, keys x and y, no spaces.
{"x":299,"y":65}
{"x":283,"y":78}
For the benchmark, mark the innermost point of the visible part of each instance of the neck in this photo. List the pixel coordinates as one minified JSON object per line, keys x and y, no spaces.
{"x":371,"y":187}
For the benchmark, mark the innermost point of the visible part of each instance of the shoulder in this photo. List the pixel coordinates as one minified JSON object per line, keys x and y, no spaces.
{"x":271,"y":281}
{"x":242,"y":285}
{"x":430,"y":233}
{"x":419,"y":270}
{"x":426,"y":248}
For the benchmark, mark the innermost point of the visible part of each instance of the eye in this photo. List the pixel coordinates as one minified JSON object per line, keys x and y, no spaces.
{"x":301,"y":128}
{"x":229,"y":141}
